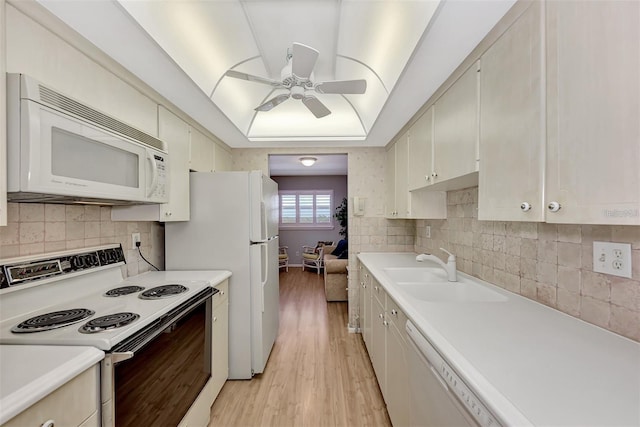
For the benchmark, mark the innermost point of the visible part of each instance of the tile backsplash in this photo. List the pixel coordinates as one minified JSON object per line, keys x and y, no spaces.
{"x":549,"y":263}
{"x":35,"y":228}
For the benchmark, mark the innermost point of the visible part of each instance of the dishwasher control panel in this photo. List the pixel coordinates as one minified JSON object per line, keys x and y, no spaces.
{"x":466,"y":396}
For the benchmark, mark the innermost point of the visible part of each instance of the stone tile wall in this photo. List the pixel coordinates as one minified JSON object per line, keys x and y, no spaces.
{"x":35,"y":228}
{"x":549,"y":263}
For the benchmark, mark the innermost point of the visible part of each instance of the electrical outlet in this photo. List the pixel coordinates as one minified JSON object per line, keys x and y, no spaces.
{"x":612,"y":258}
{"x":428,"y":232}
{"x":135,"y":238}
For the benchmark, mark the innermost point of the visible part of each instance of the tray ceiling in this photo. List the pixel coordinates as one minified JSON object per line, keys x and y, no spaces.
{"x":404,"y":49}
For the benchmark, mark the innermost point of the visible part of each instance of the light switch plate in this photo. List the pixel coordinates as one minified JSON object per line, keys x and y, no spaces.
{"x":612,"y":258}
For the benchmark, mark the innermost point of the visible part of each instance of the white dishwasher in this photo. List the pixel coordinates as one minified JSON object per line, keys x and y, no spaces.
{"x":438,"y":396}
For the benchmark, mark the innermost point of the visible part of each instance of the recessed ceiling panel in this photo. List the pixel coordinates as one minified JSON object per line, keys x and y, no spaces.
{"x":368,"y":105}
{"x":204,"y":38}
{"x":277,"y":24}
{"x":292,"y":120}
{"x":383,"y":34}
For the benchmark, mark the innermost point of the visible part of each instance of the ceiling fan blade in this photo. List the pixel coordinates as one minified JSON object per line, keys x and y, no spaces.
{"x":342,"y":87}
{"x":273,"y":102}
{"x":315,"y":106}
{"x":244,"y":76}
{"x":303,"y":59}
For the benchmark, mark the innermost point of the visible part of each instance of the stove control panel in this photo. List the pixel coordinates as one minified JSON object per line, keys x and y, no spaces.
{"x":48,"y":265}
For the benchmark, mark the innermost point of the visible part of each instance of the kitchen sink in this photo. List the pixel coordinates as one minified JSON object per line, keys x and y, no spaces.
{"x":442,"y":291}
{"x":416,"y":275}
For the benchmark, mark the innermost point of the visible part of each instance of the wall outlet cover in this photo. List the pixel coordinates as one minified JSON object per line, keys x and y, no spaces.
{"x":612,"y":258}
{"x":135,"y":237}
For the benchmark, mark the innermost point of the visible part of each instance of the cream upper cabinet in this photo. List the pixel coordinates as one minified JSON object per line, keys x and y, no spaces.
{"x":455,"y":153}
{"x":3,"y":117}
{"x":403,"y":208}
{"x":201,"y":152}
{"x":421,"y":151}
{"x":512,"y":134}
{"x":397,"y":194}
{"x":593,"y":112}
{"x":390,"y":183}
{"x":175,"y":133}
{"x":222,"y":159}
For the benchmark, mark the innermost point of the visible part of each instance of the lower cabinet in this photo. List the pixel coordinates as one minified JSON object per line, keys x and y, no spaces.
{"x":199,"y":413}
{"x":220,"y":351}
{"x":74,"y":404}
{"x":387,"y":346}
{"x":365,"y":304}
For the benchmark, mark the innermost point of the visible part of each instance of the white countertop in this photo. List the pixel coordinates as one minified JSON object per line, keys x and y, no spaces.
{"x":29,"y":373}
{"x":527,"y":361}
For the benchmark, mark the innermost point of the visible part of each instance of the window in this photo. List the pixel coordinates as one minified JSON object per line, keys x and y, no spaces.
{"x":306,"y":209}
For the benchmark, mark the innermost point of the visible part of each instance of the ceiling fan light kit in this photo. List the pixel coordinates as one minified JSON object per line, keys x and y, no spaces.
{"x":297,"y":76}
{"x":308,"y":160}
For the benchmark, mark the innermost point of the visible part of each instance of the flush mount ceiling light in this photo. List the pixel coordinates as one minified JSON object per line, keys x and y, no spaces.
{"x":308,"y":161}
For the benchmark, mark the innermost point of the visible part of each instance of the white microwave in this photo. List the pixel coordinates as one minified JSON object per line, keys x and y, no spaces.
{"x":62,"y":151}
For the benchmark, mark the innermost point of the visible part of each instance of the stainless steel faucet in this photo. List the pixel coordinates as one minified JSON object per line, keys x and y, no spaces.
{"x":449,"y":266}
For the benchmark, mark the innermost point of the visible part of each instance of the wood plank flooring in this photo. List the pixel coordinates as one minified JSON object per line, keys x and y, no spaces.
{"x":318,"y":374}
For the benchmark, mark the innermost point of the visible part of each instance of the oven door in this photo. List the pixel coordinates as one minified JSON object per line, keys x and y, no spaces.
{"x":64,"y":156}
{"x":155,"y":376}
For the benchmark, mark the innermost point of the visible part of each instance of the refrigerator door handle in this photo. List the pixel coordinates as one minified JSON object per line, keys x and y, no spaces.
{"x":261,"y":242}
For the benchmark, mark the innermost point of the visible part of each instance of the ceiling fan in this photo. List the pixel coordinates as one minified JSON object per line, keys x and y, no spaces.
{"x":297,"y":77}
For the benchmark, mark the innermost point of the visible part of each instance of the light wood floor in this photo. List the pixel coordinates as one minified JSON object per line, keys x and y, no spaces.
{"x":318,"y":374}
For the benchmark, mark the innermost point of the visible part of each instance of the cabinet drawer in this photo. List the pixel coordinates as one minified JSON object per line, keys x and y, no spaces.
{"x":70,"y":405}
{"x":378,"y":292}
{"x":397,"y":316}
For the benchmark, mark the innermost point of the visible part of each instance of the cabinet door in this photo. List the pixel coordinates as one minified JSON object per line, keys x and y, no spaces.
{"x":403,"y":207}
{"x":220,"y":346}
{"x":398,"y":379}
{"x":593,"y":106}
{"x":378,"y":353}
{"x":421,"y":151}
{"x":366,"y":311}
{"x":512,"y":133}
{"x":456,"y":129}
{"x":390,"y":184}
{"x":176,"y":133}
{"x":201,"y":152}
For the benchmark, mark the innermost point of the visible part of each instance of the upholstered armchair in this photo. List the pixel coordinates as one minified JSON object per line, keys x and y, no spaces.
{"x":312,"y":257}
{"x":283,"y":258}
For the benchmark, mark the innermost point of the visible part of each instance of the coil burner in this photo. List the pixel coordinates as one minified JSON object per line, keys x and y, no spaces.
{"x":164,"y":291}
{"x":124,"y":290}
{"x":53,"y":320}
{"x":110,"y":321}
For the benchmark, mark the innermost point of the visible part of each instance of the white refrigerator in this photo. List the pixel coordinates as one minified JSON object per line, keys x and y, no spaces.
{"x":234,"y":226}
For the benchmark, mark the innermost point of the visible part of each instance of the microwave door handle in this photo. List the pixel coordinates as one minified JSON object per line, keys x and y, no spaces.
{"x":154,"y":169}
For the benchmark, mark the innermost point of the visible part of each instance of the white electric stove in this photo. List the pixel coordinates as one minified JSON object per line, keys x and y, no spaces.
{"x":80,"y":298}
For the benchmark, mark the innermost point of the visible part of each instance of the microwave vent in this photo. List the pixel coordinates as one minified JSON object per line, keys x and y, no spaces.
{"x":76,"y":108}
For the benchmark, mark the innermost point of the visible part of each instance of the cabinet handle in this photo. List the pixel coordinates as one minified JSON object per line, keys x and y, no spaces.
{"x":381,"y":316}
{"x":554,"y":206}
{"x":167,"y":213}
{"x":215,"y":319}
{"x":385,"y":323}
{"x":526,"y":207}
{"x":434,"y":174}
{"x":221,"y":292}
{"x":394,"y":312}
{"x":48,"y":423}
{"x":376,"y":288}
{"x":427,"y":177}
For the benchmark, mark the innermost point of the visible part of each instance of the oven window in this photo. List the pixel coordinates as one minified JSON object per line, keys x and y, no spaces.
{"x":160,"y":383}
{"x":75,"y":156}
